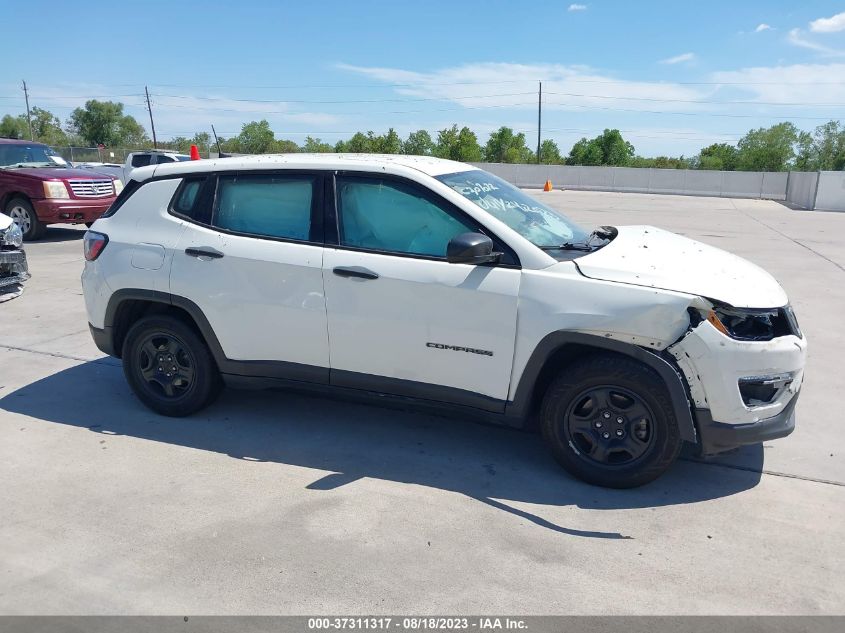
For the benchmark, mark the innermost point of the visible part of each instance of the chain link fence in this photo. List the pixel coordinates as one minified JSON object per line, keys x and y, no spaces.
{"x":105,"y":155}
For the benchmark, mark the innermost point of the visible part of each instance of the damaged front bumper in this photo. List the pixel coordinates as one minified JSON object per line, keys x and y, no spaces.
{"x":13,"y":268}
{"x":743,"y":392}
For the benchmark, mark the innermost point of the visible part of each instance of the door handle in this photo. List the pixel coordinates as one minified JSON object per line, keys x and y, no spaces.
{"x":204,"y":252}
{"x":355,"y":271}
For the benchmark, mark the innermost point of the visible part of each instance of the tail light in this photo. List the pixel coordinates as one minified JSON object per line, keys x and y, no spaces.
{"x":93,"y":244}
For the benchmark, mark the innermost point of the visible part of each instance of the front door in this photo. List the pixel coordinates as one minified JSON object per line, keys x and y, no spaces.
{"x":402,"y":319}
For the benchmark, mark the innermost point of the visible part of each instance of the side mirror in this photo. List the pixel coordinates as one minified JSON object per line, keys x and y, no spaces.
{"x":471,"y":248}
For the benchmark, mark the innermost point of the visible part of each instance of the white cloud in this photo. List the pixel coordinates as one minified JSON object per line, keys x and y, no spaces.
{"x":833,"y":24}
{"x":796,"y":38}
{"x":577,"y":7}
{"x":797,"y":83}
{"x":677,"y":59}
{"x":762,"y":27}
{"x":506,"y":85}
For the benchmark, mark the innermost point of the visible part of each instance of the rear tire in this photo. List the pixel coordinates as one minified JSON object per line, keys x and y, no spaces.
{"x":609,"y":421}
{"x":169,"y":366}
{"x":22,"y":212}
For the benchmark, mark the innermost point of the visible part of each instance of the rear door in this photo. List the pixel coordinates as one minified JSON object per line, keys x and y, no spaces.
{"x":251,"y":259}
{"x":401,"y":318}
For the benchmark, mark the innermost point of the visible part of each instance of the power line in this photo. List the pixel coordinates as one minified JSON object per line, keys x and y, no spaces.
{"x":345,"y":101}
{"x":701,"y":101}
{"x":674,"y":113}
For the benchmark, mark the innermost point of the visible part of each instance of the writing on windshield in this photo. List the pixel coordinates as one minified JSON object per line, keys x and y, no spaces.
{"x":522,"y":213}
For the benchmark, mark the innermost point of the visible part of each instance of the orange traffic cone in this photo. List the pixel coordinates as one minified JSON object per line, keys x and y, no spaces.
{"x":547,"y":186}
{"x":195,"y":152}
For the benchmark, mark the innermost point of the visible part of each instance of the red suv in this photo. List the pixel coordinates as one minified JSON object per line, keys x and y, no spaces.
{"x":38,"y":187}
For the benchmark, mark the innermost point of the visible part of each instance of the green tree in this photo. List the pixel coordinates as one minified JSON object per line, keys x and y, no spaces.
{"x":104,"y":122}
{"x":550,"y":153}
{"x":504,"y":146}
{"x":585,"y":152}
{"x":316,"y":146}
{"x":285,"y":146}
{"x":767,"y":149}
{"x":719,"y":156}
{"x":418,"y":143}
{"x":461,"y":145}
{"x":203,"y":142}
{"x":46,"y":127}
{"x":389,"y":143}
{"x":256,"y":137}
{"x":608,"y":148}
{"x":360,"y":144}
{"x":14,"y":126}
{"x":823,"y":149}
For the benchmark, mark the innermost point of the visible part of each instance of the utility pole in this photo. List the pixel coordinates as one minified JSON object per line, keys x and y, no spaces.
{"x":539,"y":119}
{"x":28,"y":119}
{"x":152,"y":125}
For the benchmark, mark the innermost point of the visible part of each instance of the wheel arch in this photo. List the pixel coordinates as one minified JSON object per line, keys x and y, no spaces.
{"x":128,"y":305}
{"x":558,"y":349}
{"x":11,"y":195}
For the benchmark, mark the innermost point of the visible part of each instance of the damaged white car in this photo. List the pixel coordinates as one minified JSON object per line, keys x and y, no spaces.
{"x":415,"y":278}
{"x":13,"y":267}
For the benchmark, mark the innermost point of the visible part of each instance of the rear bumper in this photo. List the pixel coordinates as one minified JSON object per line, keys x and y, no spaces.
{"x":53,"y":211}
{"x":102,"y":339}
{"x":717,"y":437}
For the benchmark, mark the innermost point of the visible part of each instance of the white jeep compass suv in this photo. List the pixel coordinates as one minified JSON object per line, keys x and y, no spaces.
{"x":429,"y":280}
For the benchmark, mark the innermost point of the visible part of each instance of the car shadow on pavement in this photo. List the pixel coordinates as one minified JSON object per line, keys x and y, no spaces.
{"x":496,"y":466}
{"x":60,"y":233}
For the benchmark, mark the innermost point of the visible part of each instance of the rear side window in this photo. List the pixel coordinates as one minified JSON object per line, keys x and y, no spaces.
{"x":266,"y":205}
{"x":141,"y":160}
{"x":192,"y":201}
{"x":160,"y":159}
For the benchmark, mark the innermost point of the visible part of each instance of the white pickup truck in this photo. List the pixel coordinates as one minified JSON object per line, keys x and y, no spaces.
{"x":133,"y":161}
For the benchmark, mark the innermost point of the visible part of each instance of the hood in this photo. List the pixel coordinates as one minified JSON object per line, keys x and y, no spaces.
{"x":5,"y":222}
{"x":652,"y":257}
{"x":51,"y":173}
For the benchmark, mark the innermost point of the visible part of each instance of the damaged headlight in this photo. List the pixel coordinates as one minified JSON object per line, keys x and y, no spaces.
{"x":12,"y":236}
{"x":747,"y":324}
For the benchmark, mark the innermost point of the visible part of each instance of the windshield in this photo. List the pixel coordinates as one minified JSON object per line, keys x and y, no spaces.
{"x":24,"y":155}
{"x":525,"y":215}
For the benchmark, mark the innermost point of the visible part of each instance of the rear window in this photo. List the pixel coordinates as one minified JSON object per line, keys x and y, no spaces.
{"x":141,"y":160}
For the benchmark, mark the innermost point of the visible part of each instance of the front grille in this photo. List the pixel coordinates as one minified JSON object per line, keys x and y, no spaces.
{"x":91,"y":188}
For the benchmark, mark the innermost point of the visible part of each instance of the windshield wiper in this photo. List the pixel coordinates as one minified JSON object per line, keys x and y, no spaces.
{"x":569,"y":246}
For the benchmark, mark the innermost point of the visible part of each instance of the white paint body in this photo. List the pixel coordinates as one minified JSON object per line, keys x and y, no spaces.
{"x":278,"y":301}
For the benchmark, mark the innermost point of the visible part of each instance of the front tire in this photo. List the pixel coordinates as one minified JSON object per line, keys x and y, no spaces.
{"x":609,"y":421}
{"x":169,"y":367}
{"x":22,"y":212}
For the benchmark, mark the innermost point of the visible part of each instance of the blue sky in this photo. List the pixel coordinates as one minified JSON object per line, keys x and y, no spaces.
{"x":674,"y":76}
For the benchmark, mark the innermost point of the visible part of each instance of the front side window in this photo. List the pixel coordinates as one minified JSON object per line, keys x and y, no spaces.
{"x":385,"y":215}
{"x":533,"y":220}
{"x":265,"y":205}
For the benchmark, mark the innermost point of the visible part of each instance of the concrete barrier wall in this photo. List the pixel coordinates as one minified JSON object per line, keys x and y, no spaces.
{"x":801,"y":188}
{"x":690,"y":182}
{"x":830,"y":195}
